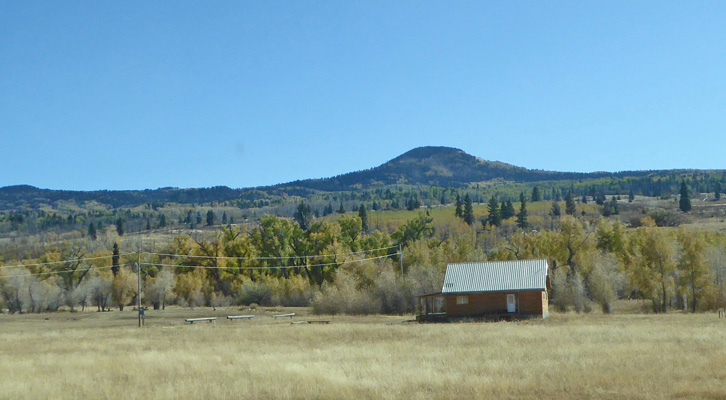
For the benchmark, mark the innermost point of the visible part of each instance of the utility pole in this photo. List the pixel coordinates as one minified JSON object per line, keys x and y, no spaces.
{"x":400,"y":257}
{"x":138,"y":285}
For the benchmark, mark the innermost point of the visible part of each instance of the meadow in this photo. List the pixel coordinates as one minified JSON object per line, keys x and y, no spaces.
{"x":567,"y":356}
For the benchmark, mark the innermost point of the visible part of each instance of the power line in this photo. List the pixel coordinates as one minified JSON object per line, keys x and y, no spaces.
{"x":58,"y":272}
{"x":273,"y":258}
{"x":62,"y":262}
{"x":203,"y":257}
{"x":278,"y":267}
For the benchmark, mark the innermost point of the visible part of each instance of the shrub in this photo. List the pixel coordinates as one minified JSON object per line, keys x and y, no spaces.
{"x":343,"y":297}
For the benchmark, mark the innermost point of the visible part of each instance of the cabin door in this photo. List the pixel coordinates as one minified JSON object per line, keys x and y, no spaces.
{"x":511,"y":305}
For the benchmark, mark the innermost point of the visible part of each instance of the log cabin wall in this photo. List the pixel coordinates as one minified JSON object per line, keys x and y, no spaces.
{"x":528,"y":303}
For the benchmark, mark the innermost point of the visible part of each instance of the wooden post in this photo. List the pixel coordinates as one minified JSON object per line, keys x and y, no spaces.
{"x":138,"y":285}
{"x":400,"y":257}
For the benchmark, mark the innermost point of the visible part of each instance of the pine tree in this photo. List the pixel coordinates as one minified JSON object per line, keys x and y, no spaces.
{"x":522,"y":215}
{"x":328,"y":209}
{"x":224,"y":218}
{"x":92,"y":231}
{"x":631,"y":196}
{"x":614,"y":206}
{"x":685,"y":203}
{"x":120,"y":227}
{"x":535,"y":194}
{"x":507,"y":210}
{"x":468,"y":210}
{"x":570,"y":204}
{"x":162,"y":220}
{"x":363,"y":218}
{"x":556,"y":209}
{"x":458,"y":212}
{"x":115,"y":259}
{"x":584,"y":199}
{"x":210,"y":218}
{"x":303,"y":215}
{"x":495,"y":215}
{"x":341,"y":210}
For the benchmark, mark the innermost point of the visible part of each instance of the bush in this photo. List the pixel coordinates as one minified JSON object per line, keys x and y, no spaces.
{"x":568,"y":290}
{"x":343,"y":297}
{"x":255,"y":292}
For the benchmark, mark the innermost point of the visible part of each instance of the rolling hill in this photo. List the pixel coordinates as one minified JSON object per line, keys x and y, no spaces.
{"x":423,"y":166}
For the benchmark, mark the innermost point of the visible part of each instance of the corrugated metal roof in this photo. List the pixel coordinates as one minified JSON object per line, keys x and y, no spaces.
{"x":495,"y":276}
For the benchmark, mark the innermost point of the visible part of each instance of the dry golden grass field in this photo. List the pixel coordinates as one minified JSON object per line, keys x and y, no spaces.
{"x":93,"y":355}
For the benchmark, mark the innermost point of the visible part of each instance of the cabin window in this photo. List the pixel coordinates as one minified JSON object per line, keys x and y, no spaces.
{"x":461,"y":300}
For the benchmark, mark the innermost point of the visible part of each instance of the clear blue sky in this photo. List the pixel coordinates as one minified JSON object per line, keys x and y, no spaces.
{"x":134,"y":95}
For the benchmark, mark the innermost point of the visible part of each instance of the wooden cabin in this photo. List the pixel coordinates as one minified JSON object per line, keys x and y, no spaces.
{"x":489,"y":290}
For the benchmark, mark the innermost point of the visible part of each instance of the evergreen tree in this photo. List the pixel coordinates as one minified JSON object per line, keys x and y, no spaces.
{"x":631,"y":196}
{"x":495,"y":215}
{"x":522,"y":215}
{"x":535,"y":194}
{"x":363,"y":218}
{"x":341,"y":210}
{"x":556,"y":209}
{"x":148,"y":224}
{"x":224,"y":218}
{"x":685,"y":203}
{"x":120,"y":227}
{"x":92,"y":231}
{"x":210,"y":218}
{"x":569,"y":204}
{"x":303,"y":215}
{"x":328,"y":209}
{"x":610,"y":208}
{"x":188,"y":219}
{"x":375,"y":206}
{"x":468,"y":210}
{"x":584,"y":199}
{"x":115,"y":259}
{"x":458,"y":212}
{"x":162,"y":220}
{"x":199,"y":218}
{"x":600,"y":198}
{"x":413,"y":204}
{"x":507,"y":210}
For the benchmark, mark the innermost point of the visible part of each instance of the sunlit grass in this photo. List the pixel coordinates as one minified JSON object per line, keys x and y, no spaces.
{"x":103,"y":355}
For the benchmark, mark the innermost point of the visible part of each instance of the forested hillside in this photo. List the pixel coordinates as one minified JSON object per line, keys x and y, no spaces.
{"x":373,"y":246}
{"x":423,"y":177}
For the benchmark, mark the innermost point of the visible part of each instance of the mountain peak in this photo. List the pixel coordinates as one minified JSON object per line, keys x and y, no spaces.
{"x":431,"y":151}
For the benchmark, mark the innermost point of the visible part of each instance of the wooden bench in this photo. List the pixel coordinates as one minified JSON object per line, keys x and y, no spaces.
{"x":284,"y":315}
{"x":309,"y":322}
{"x":240,"y":316}
{"x":193,"y":320}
